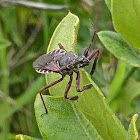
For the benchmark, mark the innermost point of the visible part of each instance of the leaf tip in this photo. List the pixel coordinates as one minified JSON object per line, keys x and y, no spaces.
{"x":18,"y":137}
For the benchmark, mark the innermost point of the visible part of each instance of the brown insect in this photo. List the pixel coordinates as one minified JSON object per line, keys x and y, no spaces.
{"x":65,"y":63}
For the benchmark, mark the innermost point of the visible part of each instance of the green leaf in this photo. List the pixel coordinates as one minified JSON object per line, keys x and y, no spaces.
{"x":63,"y":121}
{"x":128,"y":93}
{"x":24,"y":137}
{"x":108,"y":3}
{"x":65,"y":33}
{"x":118,"y":47}
{"x":126,"y":20}
{"x":4,"y":43}
{"x":132,"y":131}
{"x":9,"y":14}
{"x":91,"y":102}
{"x":117,"y":81}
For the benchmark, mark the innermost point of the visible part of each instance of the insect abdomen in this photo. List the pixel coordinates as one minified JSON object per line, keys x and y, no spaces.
{"x":43,"y":71}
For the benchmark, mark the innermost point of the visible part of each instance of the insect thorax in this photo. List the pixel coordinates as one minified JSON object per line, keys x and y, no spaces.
{"x":66,"y":63}
{"x":71,"y":63}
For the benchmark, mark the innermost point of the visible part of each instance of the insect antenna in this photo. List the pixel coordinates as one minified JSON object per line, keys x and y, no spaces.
{"x":96,"y":51}
{"x":93,"y":34}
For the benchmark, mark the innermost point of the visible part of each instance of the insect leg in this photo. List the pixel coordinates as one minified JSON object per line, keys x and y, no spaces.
{"x":46,"y":87}
{"x":78,"y":84}
{"x":96,"y":52}
{"x":67,"y":89}
{"x":85,"y":52}
{"x":61,"y":47}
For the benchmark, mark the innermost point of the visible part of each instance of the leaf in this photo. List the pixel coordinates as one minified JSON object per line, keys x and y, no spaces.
{"x":9,"y":14}
{"x":108,"y":3}
{"x":24,"y":137}
{"x":126,"y":20}
{"x":4,"y":43}
{"x":94,"y":106}
{"x":65,"y":33}
{"x":118,"y":47}
{"x":117,"y":81}
{"x":91,"y":102}
{"x":128,"y":93}
{"x":132,"y":131}
{"x":64,"y":120}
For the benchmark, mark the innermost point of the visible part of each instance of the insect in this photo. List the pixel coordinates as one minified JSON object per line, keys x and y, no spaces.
{"x":65,"y":63}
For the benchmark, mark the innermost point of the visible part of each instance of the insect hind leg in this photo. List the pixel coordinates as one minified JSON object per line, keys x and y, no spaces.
{"x":61,"y":47}
{"x":46,"y":87}
{"x":85,"y":52}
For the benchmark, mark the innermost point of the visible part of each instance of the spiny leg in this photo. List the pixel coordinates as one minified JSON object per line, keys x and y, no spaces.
{"x":61,"y":47}
{"x":67,"y":89}
{"x":46,"y":87}
{"x":85,"y":52}
{"x":94,"y":66}
{"x":95,"y":52}
{"x":78,"y":84}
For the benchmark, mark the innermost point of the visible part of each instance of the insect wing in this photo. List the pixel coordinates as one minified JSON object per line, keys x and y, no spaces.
{"x":42,"y":61}
{"x":45,"y":64}
{"x":53,"y":66}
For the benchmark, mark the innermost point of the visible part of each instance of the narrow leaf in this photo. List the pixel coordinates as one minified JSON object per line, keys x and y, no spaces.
{"x":4,"y":43}
{"x":117,"y":81}
{"x":24,"y":137}
{"x":132,"y":131}
{"x":118,"y":47}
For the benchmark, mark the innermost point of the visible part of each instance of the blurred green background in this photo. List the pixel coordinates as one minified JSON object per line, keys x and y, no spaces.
{"x":24,"y":35}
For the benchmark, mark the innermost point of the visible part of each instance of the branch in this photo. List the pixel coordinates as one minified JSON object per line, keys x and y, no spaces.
{"x":30,"y":4}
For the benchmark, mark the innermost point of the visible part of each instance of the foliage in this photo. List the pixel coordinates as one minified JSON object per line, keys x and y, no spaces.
{"x":104,"y":111}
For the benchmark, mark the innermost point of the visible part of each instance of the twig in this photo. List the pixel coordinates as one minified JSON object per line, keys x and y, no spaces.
{"x":31,"y":4}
